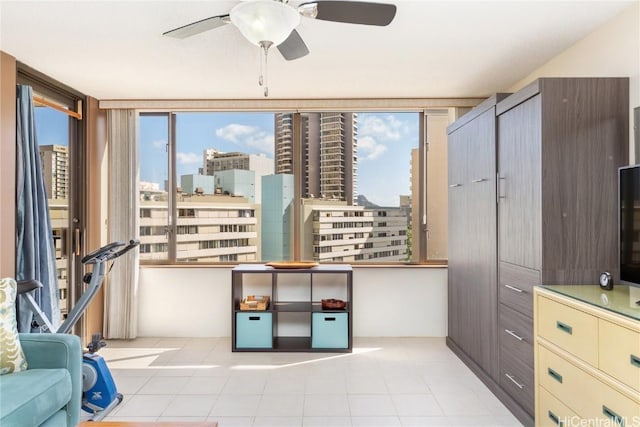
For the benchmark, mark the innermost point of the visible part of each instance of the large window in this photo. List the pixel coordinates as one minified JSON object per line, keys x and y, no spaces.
{"x":325,"y":186}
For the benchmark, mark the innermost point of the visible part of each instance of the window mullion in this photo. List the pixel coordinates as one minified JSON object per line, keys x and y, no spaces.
{"x":172,"y":222}
{"x":298,"y":154}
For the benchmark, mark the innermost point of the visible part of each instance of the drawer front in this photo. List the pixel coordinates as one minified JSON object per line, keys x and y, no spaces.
{"x":569,"y":329}
{"x":330,"y":330}
{"x":577,"y":389}
{"x":254,"y":330}
{"x":619,"y":353}
{"x":516,"y":287}
{"x":613,"y":408}
{"x":517,"y":380}
{"x":552,"y":412}
{"x":516,"y":334}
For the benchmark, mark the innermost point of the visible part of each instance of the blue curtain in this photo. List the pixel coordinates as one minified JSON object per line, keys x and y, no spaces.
{"x":35,"y":252}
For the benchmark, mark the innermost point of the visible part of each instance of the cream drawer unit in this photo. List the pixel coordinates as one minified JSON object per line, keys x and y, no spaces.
{"x":611,"y":405}
{"x":589,"y":366}
{"x":554,"y":413}
{"x":562,"y":379}
{"x":619,"y":353}
{"x":569,"y":328}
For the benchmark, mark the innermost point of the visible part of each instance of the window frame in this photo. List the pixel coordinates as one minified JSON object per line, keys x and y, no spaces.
{"x":422,"y":258}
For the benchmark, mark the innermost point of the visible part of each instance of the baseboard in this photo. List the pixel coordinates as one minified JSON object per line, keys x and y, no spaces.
{"x":492,"y":385}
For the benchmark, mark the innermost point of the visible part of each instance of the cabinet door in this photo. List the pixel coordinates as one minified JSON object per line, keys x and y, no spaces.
{"x":457,"y":167}
{"x":519,"y":166}
{"x":481,"y":265}
{"x":472,"y":240}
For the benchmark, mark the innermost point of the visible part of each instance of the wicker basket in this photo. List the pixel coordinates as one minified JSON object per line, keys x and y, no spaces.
{"x":333,"y":304}
{"x":252,"y":302}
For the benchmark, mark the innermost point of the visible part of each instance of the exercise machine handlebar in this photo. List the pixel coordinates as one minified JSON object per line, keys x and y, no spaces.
{"x":109,"y":251}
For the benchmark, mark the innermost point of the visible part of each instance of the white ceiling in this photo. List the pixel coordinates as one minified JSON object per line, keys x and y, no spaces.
{"x":448,"y":48}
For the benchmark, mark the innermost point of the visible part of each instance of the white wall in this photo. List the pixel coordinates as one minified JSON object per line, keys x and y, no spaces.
{"x":196,"y":302}
{"x":611,"y":51}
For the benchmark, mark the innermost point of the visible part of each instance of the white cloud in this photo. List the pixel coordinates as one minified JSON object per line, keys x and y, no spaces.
{"x":188,"y":158}
{"x":235,"y":131}
{"x":159,"y":144}
{"x":382,"y":127}
{"x":369,"y":148}
{"x":247,"y":136}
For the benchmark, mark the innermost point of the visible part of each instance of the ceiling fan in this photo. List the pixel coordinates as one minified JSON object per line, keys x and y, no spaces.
{"x":268,"y":23}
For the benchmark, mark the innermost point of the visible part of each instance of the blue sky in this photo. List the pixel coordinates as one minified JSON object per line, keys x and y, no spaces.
{"x":52,"y":127}
{"x":385,"y":141}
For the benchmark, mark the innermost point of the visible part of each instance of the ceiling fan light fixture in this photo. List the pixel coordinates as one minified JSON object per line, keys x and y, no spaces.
{"x":264,"y":20}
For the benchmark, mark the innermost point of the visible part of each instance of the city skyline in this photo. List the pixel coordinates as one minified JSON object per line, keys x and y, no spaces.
{"x":385,"y":140}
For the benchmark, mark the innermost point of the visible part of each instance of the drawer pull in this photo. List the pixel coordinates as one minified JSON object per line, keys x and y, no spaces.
{"x":513,"y":334}
{"x":330,"y":319}
{"x":553,"y":374}
{"x":513,"y":380}
{"x":553,"y":417}
{"x":635,"y":361}
{"x":513,"y":288}
{"x":479,"y":180}
{"x":617,"y":419}
{"x":564,"y":327}
{"x":254,"y":317}
{"x":455,"y":185}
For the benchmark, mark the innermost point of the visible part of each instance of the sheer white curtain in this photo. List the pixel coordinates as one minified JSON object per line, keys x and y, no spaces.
{"x":121,"y":320}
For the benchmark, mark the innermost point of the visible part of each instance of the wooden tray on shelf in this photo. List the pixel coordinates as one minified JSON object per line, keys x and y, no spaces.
{"x":292,"y":264}
{"x":254,"y":303}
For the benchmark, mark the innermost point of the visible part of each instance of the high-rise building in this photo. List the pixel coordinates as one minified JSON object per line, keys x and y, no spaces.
{"x":194,"y":184}
{"x":336,"y":232}
{"x":283,"y":144}
{"x":215,"y":161}
{"x":55,"y":170}
{"x":329,"y":142}
{"x":277,"y":203}
{"x":209,"y":228}
{"x":237,"y":183}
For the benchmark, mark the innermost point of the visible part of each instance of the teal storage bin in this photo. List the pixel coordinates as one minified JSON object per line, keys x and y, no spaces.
{"x":254,"y":330}
{"x":330,"y":330}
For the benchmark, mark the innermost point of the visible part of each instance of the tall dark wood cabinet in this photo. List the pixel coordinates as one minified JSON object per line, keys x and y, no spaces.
{"x":559,"y":143}
{"x":472,"y":235}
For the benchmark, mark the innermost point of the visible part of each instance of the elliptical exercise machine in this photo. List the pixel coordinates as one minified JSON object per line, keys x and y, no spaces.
{"x":99,"y":394}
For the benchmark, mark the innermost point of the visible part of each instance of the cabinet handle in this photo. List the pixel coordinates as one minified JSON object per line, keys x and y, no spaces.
{"x":564,"y":327}
{"x":254,"y":317}
{"x":553,"y":417}
{"x":329,"y":319}
{"x":513,"y":334}
{"x":617,"y":419}
{"x":499,"y":188}
{"x":479,"y":180}
{"x":553,"y":374}
{"x":513,"y":380}
{"x":513,"y":288}
{"x":455,"y":185}
{"x":635,"y":360}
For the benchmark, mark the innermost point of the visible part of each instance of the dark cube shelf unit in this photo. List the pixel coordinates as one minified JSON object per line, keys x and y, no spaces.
{"x":294,"y":319}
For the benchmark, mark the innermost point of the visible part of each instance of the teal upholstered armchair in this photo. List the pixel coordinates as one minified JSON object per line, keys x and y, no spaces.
{"x":49,"y":392}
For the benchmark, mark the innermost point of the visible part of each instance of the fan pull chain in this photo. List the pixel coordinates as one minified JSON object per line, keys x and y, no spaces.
{"x":262,"y":81}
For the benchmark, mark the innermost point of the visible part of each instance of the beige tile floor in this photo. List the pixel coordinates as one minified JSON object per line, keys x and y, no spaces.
{"x":384,"y":382}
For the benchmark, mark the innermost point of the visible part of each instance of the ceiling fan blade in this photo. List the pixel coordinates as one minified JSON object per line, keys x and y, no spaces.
{"x":293,"y":47}
{"x":198,"y":27}
{"x":354,"y":12}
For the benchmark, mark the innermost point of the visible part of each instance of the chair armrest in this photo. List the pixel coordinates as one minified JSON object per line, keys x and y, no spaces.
{"x":47,"y":351}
